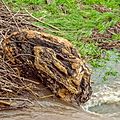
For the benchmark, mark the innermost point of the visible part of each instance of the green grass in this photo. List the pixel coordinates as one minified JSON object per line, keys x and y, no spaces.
{"x":75,"y":19}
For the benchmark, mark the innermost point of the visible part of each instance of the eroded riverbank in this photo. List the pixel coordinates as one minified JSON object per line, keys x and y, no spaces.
{"x":104,"y":103}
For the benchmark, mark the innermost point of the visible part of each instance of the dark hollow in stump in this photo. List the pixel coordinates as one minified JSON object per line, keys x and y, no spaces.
{"x":52,"y":60}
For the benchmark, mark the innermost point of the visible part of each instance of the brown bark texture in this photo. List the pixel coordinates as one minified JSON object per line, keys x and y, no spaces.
{"x":52,"y":60}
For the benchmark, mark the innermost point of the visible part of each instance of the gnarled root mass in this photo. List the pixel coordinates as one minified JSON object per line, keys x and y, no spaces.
{"x":52,"y":60}
{"x":29,"y":58}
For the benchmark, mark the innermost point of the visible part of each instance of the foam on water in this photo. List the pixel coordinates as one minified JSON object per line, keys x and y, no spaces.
{"x":105,"y":99}
{"x":105,"y":95}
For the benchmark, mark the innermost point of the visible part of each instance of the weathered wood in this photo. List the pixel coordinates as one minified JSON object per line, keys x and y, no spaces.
{"x":53,"y":60}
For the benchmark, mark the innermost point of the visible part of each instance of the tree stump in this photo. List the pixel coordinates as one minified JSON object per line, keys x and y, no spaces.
{"x":52,"y":60}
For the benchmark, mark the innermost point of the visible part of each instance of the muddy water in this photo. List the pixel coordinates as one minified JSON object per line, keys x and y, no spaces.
{"x":104,"y":103}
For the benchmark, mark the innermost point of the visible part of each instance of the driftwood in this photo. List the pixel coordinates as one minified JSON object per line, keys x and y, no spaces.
{"x":52,"y":60}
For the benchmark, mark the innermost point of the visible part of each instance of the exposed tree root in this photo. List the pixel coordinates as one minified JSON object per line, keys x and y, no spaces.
{"x":29,"y":58}
{"x":50,"y":59}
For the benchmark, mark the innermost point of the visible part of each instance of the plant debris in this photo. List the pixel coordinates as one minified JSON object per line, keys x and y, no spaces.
{"x":98,"y":37}
{"x":29,"y":58}
{"x":12,"y":85}
{"x":52,"y":60}
{"x":8,"y":25}
{"x":101,"y":39}
{"x":101,"y":8}
{"x":110,"y":45}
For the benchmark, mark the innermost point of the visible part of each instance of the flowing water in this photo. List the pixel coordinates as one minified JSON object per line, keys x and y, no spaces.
{"x":104,"y":103}
{"x":105,"y":100}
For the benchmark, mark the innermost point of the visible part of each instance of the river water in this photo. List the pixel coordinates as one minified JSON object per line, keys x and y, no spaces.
{"x":104,"y":103}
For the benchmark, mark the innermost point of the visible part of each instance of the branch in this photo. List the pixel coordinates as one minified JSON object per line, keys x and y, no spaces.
{"x":11,"y":15}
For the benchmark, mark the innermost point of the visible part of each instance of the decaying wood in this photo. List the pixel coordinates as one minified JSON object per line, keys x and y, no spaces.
{"x":52,"y":60}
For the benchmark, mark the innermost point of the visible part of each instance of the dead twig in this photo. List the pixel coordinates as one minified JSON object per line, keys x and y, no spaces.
{"x":17,"y":99}
{"x":47,"y":96}
{"x":11,"y":15}
{"x":4,"y":103}
{"x":12,"y":107}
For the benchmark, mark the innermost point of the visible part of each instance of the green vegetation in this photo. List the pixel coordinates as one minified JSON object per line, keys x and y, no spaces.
{"x":74,"y":20}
